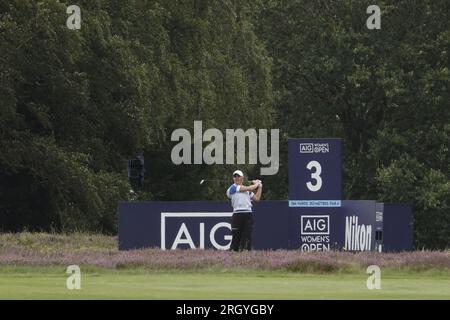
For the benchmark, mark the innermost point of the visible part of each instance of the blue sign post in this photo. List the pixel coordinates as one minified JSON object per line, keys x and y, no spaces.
{"x":315,"y":172}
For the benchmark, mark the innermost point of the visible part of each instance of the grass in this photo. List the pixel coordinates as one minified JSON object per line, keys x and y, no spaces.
{"x":25,"y":282}
{"x":33,"y":266}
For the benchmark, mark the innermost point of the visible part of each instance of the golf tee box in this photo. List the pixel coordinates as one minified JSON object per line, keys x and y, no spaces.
{"x":313,"y":219}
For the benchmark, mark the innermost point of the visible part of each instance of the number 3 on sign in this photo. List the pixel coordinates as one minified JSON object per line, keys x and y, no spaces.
{"x":315,"y":175}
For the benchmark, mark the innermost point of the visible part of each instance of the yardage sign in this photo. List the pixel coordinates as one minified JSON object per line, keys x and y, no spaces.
{"x":314,"y":172}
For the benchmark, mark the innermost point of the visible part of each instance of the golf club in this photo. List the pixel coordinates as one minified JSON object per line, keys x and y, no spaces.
{"x":214,"y":180}
{"x":217,"y":180}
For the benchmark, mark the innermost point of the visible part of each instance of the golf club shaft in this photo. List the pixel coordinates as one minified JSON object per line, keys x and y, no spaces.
{"x":216,"y":180}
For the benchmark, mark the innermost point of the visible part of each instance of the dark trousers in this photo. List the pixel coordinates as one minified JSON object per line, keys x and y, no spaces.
{"x":241,"y":230}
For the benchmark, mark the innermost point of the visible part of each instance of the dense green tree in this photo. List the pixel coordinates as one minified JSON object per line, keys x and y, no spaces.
{"x":385,"y":92}
{"x":76,"y":104}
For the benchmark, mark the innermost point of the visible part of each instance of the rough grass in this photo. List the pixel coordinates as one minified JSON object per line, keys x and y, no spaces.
{"x":43,"y":249}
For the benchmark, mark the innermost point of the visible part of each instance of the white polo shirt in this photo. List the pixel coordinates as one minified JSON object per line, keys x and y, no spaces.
{"x":240,"y":201}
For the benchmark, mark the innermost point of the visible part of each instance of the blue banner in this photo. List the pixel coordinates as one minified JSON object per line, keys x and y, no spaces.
{"x":315,"y":172}
{"x":207,"y":225}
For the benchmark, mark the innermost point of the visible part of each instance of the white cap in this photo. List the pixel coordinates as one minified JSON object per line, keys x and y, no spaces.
{"x":238,"y":172}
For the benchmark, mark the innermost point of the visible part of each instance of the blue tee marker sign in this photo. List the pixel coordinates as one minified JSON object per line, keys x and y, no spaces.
{"x":315,"y":172}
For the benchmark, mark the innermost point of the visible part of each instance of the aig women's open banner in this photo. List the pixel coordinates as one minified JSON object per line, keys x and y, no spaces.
{"x":314,"y":219}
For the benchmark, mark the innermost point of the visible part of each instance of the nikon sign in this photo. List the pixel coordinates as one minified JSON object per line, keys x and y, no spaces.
{"x":358,"y":237}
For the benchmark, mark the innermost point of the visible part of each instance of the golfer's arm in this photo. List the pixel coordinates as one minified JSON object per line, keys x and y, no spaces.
{"x":248,"y":188}
{"x":258,"y":194}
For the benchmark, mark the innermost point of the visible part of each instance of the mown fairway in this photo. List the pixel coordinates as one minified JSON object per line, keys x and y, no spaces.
{"x":33,"y":266}
{"x":50,"y":283}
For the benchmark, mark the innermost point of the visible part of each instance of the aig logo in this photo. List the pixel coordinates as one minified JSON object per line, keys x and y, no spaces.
{"x":314,"y":148}
{"x":306,"y":148}
{"x":315,"y":225}
{"x":196,"y":229}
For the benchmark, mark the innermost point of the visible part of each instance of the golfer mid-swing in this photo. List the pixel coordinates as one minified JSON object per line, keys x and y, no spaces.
{"x":241,"y":199}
